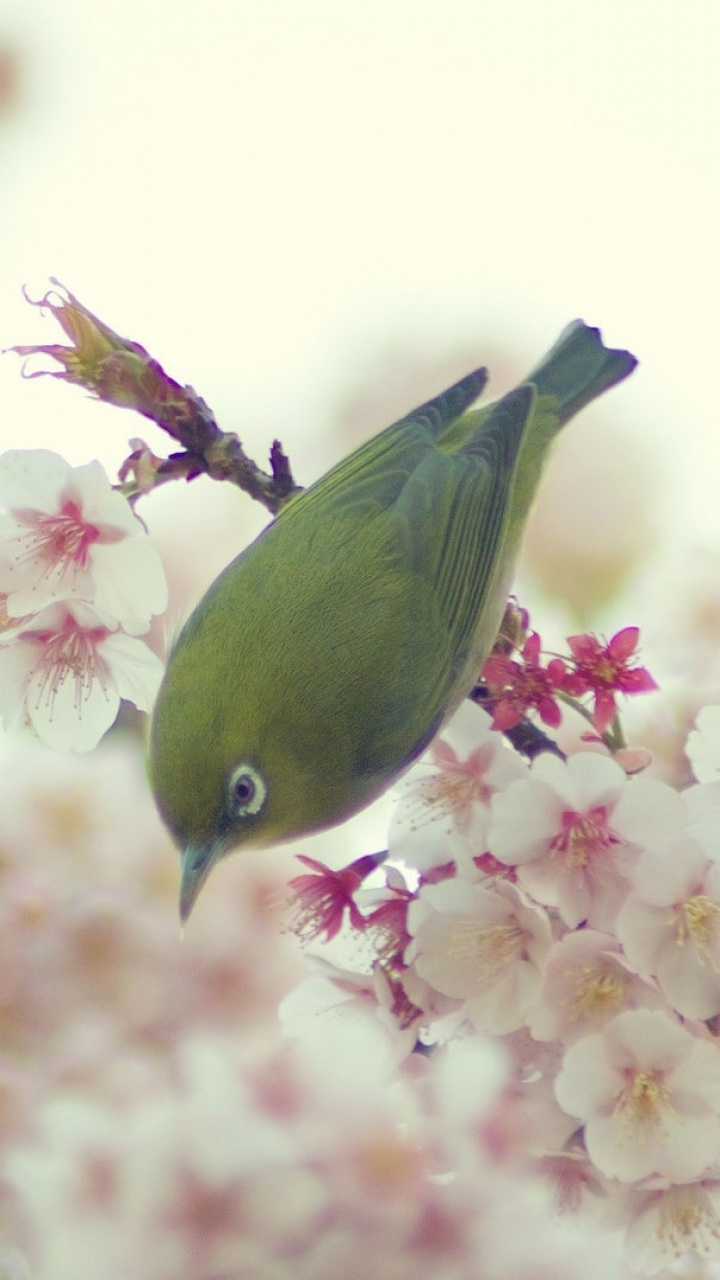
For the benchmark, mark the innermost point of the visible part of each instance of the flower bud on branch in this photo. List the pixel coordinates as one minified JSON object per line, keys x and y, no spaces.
{"x":123,"y":373}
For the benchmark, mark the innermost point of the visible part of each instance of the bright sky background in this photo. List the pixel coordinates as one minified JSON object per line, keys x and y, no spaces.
{"x":274,"y":196}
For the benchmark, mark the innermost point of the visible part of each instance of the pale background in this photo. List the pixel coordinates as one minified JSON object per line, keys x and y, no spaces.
{"x":318,"y":213}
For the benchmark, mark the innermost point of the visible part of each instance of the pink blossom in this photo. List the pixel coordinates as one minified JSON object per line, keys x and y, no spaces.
{"x":68,"y":535}
{"x":667,"y":1223}
{"x":65,"y":673}
{"x":576,"y":1183}
{"x":442,"y":812}
{"x":669,"y":926}
{"x":518,"y":687}
{"x":648,"y":1093}
{"x":573,"y":829}
{"x":330,"y":994}
{"x":481,"y":946}
{"x":606,"y":670}
{"x":386,"y":912}
{"x":321,"y":899}
{"x":586,"y":982}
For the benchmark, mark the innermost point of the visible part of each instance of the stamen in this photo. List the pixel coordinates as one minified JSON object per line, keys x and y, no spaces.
{"x":642,"y":1103}
{"x":697,"y":923}
{"x":598,"y":991}
{"x":61,"y":541}
{"x":493,"y":948}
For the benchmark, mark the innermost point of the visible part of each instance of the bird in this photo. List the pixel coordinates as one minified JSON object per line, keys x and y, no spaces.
{"x":324,"y":659}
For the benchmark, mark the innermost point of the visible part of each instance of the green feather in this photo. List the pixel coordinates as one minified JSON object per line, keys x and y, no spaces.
{"x":330,"y":652}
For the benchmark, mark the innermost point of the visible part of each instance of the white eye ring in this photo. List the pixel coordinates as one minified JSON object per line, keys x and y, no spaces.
{"x":246,"y":791}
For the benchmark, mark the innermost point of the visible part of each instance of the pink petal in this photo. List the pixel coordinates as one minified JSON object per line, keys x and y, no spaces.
{"x":624,"y":643}
{"x":604,"y":711}
{"x":638,"y":680}
{"x":584,"y":648}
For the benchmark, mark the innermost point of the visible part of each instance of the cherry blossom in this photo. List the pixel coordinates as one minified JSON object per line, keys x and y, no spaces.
{"x":442,"y":811}
{"x":68,"y":535}
{"x":703,"y":745}
{"x":586,"y":982}
{"x":669,"y":926}
{"x":667,"y":1223}
{"x":648,"y":1093}
{"x":573,"y":829}
{"x":518,"y":687}
{"x":64,"y":672}
{"x":606,"y":670}
{"x":575,"y":1181}
{"x":321,"y":899}
{"x":332,"y":994}
{"x":386,"y":917}
{"x":481,"y":946}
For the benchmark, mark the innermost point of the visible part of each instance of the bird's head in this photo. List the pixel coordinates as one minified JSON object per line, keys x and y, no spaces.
{"x":223,"y":772}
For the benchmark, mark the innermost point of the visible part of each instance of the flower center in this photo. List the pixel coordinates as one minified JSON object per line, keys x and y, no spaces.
{"x":69,"y":654}
{"x":697,"y":923}
{"x":451,"y":792}
{"x":492,"y":949}
{"x":688,"y":1221}
{"x":643,"y":1102}
{"x":584,"y":835}
{"x":64,"y":537}
{"x":597,"y":992}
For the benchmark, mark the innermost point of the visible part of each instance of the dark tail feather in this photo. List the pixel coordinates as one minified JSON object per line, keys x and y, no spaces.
{"x":578,"y":368}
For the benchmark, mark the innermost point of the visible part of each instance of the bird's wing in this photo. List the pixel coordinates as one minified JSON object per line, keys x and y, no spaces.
{"x":454,"y":511}
{"x":377,"y":472}
{"x":426,"y":595}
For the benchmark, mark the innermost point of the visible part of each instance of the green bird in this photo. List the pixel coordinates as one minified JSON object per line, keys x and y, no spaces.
{"x":324,"y":659}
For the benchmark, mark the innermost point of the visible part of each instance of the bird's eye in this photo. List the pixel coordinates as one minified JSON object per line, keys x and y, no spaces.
{"x":246,"y":791}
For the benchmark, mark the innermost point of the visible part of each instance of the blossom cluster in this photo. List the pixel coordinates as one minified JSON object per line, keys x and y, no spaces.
{"x":79,"y":583}
{"x":571,"y":913}
{"x":155,"y":1123}
{"x":522,"y":683}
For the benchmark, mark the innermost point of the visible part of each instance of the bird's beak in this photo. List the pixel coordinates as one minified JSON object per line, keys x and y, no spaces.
{"x":197,"y":864}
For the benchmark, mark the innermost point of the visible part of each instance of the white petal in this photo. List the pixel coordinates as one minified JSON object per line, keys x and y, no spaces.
{"x":32,"y":479}
{"x":598,"y":779}
{"x":129,"y":583}
{"x":690,"y":983}
{"x":135,"y":668}
{"x":649,"y":813}
{"x":643,"y":931}
{"x":17,"y":659}
{"x":68,"y":716}
{"x":524,"y":818}
{"x":585,"y":1080}
{"x":101,"y":505}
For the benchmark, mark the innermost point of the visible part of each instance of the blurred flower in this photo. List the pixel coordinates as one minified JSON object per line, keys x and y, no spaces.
{"x":669,"y":1222}
{"x":330,"y":994}
{"x":703,"y":745}
{"x":14,"y":1265}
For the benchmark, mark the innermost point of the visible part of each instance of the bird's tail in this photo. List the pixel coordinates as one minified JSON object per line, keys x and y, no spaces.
{"x":578,"y":368}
